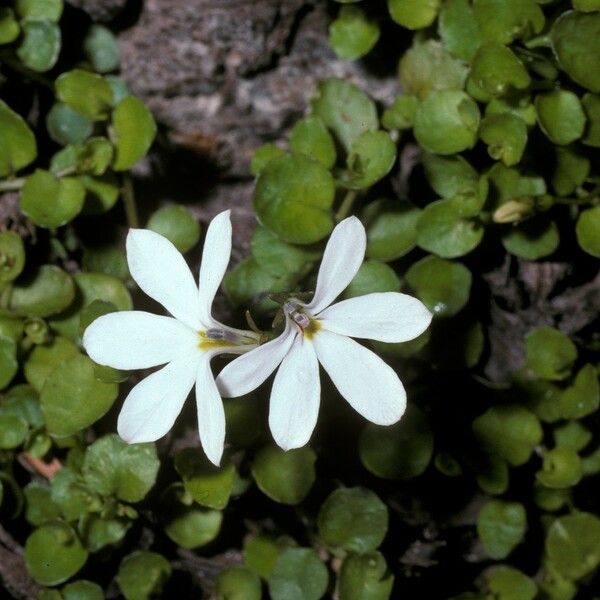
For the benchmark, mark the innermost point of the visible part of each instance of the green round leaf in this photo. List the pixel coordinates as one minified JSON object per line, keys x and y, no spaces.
{"x":443,"y":286}
{"x":575,"y":41}
{"x":53,"y":554}
{"x":40,"y":45}
{"x":365,"y":577}
{"x":414,"y":14}
{"x":82,"y":590}
{"x":427,"y":67}
{"x":560,"y":116}
{"x":510,"y":431}
{"x":582,"y":397}
{"x":352,"y":34}
{"x":401,"y":114}
{"x":533,"y":239}
{"x":496,"y":70}
{"x":373,"y":276}
{"x":506,"y":20}
{"x":86,"y":93}
{"x":42,"y":293}
{"x":12,"y":256}
{"x":41,"y":10}
{"x":142,"y":575}
{"x":127,"y":471}
{"x":591,"y":106}
{"x":261,"y":552}
{"x":238,"y":583}
{"x":505,"y":136}
{"x":507,"y":583}
{"x":587,"y":228}
{"x":285,"y":477}
{"x":572,"y":435}
{"x":133,"y":131}
{"x":13,"y":431}
{"x":107,"y":260}
{"x":9,"y":27}
{"x":561,"y":468}
{"x":194,"y":527}
{"x":459,"y":29}
{"x":372,"y":155}
{"x":401,"y":451}
{"x":442,"y":230}
{"x":51,"y":202}
{"x":449,"y":175}
{"x":353,"y":519}
{"x":345,"y":109}
{"x":263,"y":155}
{"x":102,"y":193}
{"x":74,"y":379}
{"x":298,"y":574}
{"x":493,"y":475}
{"x":44,"y":358}
{"x":293,"y":198}
{"x":572,"y":169}
{"x":101,"y":48}
{"x":550,"y":353}
{"x":310,"y":137}
{"x":391,"y":229}
{"x":501,"y":526}
{"x":447,"y":122}
{"x":9,"y":365}
{"x":18,"y":147}
{"x":208,"y":485}
{"x":67,"y":126}
{"x":573,"y":545}
{"x":39,"y":506}
{"x":177,"y":224}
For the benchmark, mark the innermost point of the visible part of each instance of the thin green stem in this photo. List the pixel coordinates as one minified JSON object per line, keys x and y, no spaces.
{"x":129,"y":202}
{"x":346,"y":205}
{"x":11,"y":185}
{"x":18,"y":67}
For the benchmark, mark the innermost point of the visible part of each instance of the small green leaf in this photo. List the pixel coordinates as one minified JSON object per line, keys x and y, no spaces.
{"x":353,"y":519}
{"x":401,"y":114}
{"x":511,"y":431}
{"x":101,"y":192}
{"x":414,"y":14}
{"x":18,"y":147}
{"x":82,"y":590}
{"x":587,"y":227}
{"x":293,"y":199}
{"x":298,"y":574}
{"x":560,"y":116}
{"x":39,"y":508}
{"x":459,"y":29}
{"x":582,"y":397}
{"x":74,"y":379}
{"x":285,"y":477}
{"x":40,"y":45}
{"x":133,"y":131}
{"x":208,"y":485}
{"x":53,"y":554}
{"x":310,"y":137}
{"x":505,"y":136}
{"x":238,"y":583}
{"x":507,"y":583}
{"x":49,"y":201}
{"x":67,"y":126}
{"x":561,"y":468}
{"x":9,"y":27}
{"x":447,"y":122}
{"x":44,"y":358}
{"x":372,"y":155}
{"x":574,"y":39}
{"x":177,"y":224}
{"x":373,"y":276}
{"x":12,"y":256}
{"x":398,"y":452}
{"x":13,"y":431}
{"x":107,"y":260}
{"x":101,"y":48}
{"x":102,"y":532}
{"x":449,"y":175}
{"x":345,"y":109}
{"x":506,"y":20}
{"x":262,"y":155}
{"x":42,"y":293}
{"x":550,"y":353}
{"x":533,"y":239}
{"x":194,"y":527}
{"x":443,"y":286}
{"x":86,"y":93}
{"x":40,"y":10}
{"x":143,"y":574}
{"x":353,"y":34}
{"x":572,"y":169}
{"x":572,"y":435}
{"x":591,"y":106}
{"x":493,"y":476}
{"x":261,"y":553}
{"x":113,"y":467}
{"x":501,"y":526}
{"x":365,"y":577}
{"x":573,"y":545}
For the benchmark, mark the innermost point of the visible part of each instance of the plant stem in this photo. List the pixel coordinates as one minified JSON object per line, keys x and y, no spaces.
{"x":18,"y":67}
{"x":12,"y":185}
{"x":346,"y":205}
{"x":129,"y":202}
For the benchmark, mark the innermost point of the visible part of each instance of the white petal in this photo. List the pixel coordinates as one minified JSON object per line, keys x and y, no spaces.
{"x":137,"y":340}
{"x":341,"y":260}
{"x":215,"y":258}
{"x":295,"y":397}
{"x":370,"y":386}
{"x":152,"y":406}
{"x":387,"y":317}
{"x":162,"y":273}
{"x":211,"y":415}
{"x":250,"y":370}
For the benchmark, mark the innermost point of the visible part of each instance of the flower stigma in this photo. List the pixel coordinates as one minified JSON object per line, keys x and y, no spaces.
{"x":307,"y":325}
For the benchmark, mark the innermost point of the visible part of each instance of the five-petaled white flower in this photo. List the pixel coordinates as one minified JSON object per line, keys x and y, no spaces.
{"x":317,"y":332}
{"x":186,"y":342}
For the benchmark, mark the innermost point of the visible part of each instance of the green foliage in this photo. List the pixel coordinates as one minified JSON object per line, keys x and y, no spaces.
{"x":142,"y":575}
{"x":501,"y":526}
{"x":298,"y":574}
{"x":177,"y":224}
{"x":352,"y":34}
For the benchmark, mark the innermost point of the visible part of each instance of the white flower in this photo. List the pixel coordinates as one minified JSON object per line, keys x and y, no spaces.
{"x":318,"y":333}
{"x":186,"y":342}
